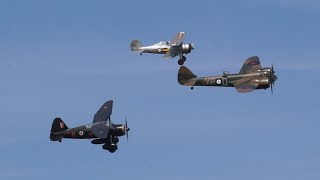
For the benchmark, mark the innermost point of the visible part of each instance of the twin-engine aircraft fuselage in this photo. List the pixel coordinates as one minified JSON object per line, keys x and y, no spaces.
{"x":251,"y":77}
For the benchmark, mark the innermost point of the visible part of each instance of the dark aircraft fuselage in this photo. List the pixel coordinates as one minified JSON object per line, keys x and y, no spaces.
{"x":80,"y":132}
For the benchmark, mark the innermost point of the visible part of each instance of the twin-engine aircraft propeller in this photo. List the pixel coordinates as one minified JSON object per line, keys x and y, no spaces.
{"x":272,"y":78}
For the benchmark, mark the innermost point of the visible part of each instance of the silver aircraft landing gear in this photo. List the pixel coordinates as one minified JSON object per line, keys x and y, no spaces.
{"x":182,"y":60}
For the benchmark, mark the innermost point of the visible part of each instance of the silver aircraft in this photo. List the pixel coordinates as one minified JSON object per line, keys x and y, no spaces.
{"x":171,"y":49}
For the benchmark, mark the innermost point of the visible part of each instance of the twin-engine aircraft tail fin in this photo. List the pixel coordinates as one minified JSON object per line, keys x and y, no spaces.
{"x":135,"y":45}
{"x":57,"y":126}
{"x":186,"y":77}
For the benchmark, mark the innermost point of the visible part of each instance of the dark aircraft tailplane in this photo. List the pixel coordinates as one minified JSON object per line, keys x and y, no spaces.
{"x":57,"y":126}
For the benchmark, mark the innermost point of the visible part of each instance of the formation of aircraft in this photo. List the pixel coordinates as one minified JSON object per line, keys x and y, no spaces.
{"x":251,"y":76}
{"x":102,"y":130}
{"x":171,"y":49}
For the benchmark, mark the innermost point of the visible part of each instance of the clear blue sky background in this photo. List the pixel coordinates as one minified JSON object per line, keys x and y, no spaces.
{"x":66,"y":58}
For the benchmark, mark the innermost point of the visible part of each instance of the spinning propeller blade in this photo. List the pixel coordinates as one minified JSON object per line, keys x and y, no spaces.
{"x":272,"y":78}
{"x":126,"y":128}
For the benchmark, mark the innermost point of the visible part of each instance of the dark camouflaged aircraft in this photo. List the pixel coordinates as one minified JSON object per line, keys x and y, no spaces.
{"x":251,"y":76}
{"x":102,"y":131}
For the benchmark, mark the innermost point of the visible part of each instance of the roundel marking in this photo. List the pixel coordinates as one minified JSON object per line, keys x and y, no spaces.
{"x":159,"y":50}
{"x":218,"y":81}
{"x":81,"y":133}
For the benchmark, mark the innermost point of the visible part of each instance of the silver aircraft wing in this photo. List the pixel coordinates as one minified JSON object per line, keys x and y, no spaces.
{"x":171,"y":53}
{"x":177,"y":39}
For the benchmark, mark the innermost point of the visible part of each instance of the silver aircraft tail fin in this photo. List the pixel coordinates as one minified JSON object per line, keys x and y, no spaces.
{"x":186,"y":77}
{"x":135,"y":45}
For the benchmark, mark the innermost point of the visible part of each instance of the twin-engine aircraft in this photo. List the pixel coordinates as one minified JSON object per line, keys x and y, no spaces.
{"x":251,"y":77}
{"x":102,"y":131}
{"x":171,"y":49}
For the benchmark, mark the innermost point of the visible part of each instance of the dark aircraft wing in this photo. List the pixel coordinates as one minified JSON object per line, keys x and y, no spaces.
{"x":177,"y":40}
{"x":245,"y":85}
{"x":250,"y":65}
{"x":101,"y":129}
{"x":104,"y":112}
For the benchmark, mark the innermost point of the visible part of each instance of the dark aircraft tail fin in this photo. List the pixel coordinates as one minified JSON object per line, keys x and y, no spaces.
{"x":135,"y":45}
{"x":57,"y":126}
{"x":186,"y":77}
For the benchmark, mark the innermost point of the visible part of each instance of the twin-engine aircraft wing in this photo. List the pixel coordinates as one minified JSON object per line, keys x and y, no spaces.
{"x":250,"y":65}
{"x":104,"y":112}
{"x":177,"y":40}
{"x":245,"y":85}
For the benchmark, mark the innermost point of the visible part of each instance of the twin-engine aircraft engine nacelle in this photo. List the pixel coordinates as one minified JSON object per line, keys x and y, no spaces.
{"x":263,"y":82}
{"x":186,"y":48}
{"x":265,"y":70}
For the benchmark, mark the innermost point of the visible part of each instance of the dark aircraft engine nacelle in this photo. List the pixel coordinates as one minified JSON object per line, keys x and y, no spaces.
{"x":186,"y":48}
{"x":119,"y":130}
{"x":263,"y":82}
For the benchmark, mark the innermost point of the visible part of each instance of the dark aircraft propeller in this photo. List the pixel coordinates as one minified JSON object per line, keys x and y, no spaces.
{"x":127,"y":129}
{"x":272,"y":78}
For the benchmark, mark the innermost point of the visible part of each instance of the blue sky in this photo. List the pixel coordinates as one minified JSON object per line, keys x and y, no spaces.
{"x":66,"y":58}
